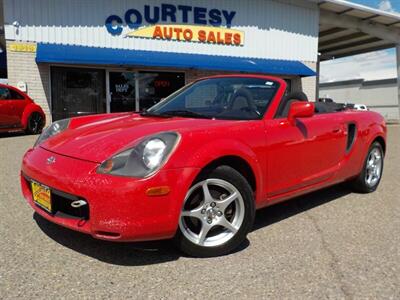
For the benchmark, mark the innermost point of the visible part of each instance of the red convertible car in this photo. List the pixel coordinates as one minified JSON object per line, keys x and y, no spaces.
{"x":197,"y":165}
{"x":19,"y":112}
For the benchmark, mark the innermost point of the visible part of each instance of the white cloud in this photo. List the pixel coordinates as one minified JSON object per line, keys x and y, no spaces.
{"x":368,"y":66}
{"x":386,"y":5}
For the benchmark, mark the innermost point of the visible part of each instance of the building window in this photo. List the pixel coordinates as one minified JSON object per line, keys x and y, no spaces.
{"x":122,"y":91}
{"x":77,"y":92}
{"x":82,"y":91}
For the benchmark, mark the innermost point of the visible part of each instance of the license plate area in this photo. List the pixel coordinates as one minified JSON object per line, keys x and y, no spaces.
{"x":41,"y":196}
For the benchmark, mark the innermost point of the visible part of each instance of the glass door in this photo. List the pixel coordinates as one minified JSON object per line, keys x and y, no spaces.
{"x":154,"y":86}
{"x":122,"y":91}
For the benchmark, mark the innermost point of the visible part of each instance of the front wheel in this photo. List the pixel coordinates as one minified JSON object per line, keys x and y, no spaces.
{"x":371,"y":174}
{"x":35,"y":123}
{"x":217,"y":214}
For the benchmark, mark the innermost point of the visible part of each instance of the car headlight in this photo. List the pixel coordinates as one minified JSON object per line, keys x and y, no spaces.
{"x":54,"y":129}
{"x":144,"y":159}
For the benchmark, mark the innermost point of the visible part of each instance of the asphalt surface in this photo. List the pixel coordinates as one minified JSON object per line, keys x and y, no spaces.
{"x":330,"y":244}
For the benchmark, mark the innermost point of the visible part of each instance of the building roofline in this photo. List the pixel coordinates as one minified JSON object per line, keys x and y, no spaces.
{"x":361,"y":7}
{"x":343,"y":82}
{"x":362,"y":82}
{"x":347,"y":29}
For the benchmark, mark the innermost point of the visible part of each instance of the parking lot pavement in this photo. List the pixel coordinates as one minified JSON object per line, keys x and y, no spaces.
{"x":330,"y":244}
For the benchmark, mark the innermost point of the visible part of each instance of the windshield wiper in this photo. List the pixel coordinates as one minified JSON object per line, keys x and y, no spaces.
{"x":185,"y":113}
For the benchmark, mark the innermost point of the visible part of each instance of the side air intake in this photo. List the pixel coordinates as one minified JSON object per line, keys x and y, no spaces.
{"x":351,"y":135}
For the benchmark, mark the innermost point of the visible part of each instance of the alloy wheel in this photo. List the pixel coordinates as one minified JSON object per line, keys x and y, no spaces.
{"x":35,"y":123}
{"x":374,"y":167}
{"x":212,"y":214}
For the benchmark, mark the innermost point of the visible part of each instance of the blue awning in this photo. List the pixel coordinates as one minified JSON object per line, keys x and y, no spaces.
{"x":65,"y":54}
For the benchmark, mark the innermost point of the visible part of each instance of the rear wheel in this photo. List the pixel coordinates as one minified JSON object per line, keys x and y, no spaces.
{"x":370,"y":177}
{"x":35,"y":123}
{"x":217,"y":214}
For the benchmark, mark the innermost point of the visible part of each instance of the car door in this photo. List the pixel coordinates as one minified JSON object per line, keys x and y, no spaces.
{"x":7,"y":116}
{"x":303,"y":154}
{"x":18,"y":102}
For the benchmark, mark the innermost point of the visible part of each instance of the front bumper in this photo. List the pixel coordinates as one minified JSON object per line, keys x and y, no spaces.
{"x":119,"y":208}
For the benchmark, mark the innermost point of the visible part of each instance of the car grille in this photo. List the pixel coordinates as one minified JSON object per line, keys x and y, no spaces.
{"x":61,"y":204}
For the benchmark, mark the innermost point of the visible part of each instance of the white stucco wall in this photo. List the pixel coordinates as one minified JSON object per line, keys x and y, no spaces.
{"x":273,"y":29}
{"x":380,"y":96}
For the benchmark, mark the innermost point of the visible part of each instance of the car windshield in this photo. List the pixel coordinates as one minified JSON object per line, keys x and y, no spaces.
{"x":236,"y":98}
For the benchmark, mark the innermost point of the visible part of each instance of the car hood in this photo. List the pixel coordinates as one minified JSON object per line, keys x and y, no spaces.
{"x":96,"y":139}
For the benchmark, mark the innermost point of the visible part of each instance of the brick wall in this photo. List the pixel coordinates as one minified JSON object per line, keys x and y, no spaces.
{"x":22,"y":67}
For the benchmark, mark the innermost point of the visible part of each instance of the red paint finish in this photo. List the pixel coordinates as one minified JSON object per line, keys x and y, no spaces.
{"x":117,"y":204}
{"x":300,"y":109}
{"x":288,"y":157}
{"x":15,"y":111}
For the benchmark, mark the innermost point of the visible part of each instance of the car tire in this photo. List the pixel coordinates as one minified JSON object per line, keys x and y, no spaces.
{"x":371,"y":174}
{"x":217,"y":214}
{"x":35,"y":123}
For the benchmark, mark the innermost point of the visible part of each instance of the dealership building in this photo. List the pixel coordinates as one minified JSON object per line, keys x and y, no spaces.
{"x":367,"y":92}
{"x":96,"y":56}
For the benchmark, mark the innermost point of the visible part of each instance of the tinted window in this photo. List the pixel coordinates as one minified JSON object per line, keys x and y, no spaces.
{"x":4,"y":93}
{"x":9,"y":94}
{"x":154,"y":86}
{"x":77,"y":92}
{"x":241,"y":98}
{"x":123,"y":91}
{"x":15,"y":95}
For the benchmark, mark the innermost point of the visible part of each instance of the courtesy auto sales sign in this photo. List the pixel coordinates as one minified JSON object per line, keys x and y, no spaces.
{"x":178,"y":23}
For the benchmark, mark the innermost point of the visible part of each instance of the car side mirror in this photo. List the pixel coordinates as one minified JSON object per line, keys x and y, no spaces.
{"x":300,"y":109}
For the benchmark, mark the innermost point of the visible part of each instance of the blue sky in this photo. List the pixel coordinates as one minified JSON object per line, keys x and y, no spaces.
{"x":369,"y":66}
{"x":395,"y":4}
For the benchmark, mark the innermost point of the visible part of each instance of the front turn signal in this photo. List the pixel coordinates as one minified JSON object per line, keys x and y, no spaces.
{"x":158,"y":191}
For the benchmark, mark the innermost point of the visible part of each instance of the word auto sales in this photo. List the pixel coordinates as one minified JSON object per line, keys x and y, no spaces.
{"x":185,"y":23}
